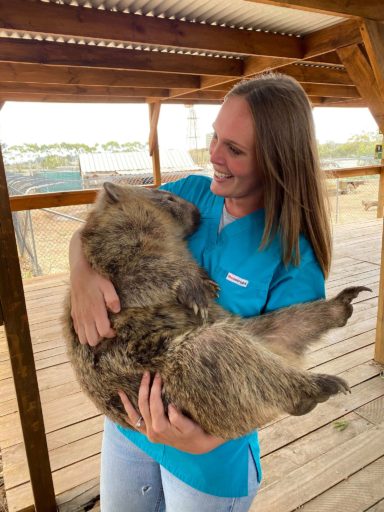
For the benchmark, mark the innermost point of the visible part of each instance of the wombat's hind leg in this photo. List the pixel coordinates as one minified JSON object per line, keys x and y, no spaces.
{"x":324,"y":386}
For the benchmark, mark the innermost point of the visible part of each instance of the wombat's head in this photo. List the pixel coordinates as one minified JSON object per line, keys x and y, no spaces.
{"x":151,"y":203}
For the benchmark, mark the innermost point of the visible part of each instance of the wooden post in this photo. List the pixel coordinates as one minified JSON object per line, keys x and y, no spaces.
{"x":154,"y":111}
{"x":361,"y":72}
{"x":379,"y":345}
{"x":21,"y":357}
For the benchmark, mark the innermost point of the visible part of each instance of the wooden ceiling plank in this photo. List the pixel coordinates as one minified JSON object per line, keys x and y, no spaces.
{"x":329,"y":39}
{"x":70,"y":98}
{"x":373,"y":36}
{"x":66,"y":20}
{"x":36,"y":73}
{"x":318,"y":75}
{"x":373,"y":9}
{"x":28,"y":88}
{"x":43,"y":52}
{"x":362,"y":74}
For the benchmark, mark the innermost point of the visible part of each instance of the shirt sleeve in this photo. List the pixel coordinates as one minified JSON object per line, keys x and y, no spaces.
{"x":295,"y":284}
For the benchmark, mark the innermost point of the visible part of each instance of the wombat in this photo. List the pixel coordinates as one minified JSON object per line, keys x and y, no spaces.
{"x":228,"y":374}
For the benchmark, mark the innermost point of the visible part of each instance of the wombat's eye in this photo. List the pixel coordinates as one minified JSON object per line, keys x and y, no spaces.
{"x":171,"y":198}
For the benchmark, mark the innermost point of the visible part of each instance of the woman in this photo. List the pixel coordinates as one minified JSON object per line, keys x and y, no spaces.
{"x":265,"y":239}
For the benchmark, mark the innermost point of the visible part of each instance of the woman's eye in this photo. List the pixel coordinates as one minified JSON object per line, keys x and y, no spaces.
{"x":234,"y":150}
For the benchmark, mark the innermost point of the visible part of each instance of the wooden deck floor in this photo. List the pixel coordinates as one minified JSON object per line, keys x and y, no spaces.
{"x":329,"y":460}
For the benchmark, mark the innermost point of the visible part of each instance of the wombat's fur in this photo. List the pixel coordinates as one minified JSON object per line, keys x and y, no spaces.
{"x":228,"y":374}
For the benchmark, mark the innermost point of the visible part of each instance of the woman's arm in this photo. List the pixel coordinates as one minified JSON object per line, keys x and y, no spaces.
{"x":91,"y":297}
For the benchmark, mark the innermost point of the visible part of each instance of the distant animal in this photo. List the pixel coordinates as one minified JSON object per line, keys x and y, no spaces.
{"x":369,"y":204}
{"x":228,"y":374}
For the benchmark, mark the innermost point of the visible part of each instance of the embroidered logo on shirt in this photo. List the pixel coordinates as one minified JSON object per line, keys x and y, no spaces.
{"x":237,"y":280}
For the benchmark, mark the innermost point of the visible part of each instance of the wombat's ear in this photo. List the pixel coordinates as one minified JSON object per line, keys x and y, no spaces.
{"x":114,"y":192}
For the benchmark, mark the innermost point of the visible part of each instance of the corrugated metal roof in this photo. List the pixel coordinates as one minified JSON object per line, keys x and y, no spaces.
{"x":227,"y":13}
{"x":137,"y":162}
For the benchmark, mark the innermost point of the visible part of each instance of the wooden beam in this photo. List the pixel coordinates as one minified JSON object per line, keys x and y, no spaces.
{"x":331,"y":91}
{"x":373,"y":36}
{"x":373,"y":9}
{"x":362,"y":74}
{"x":318,"y":75}
{"x":330,"y":58}
{"x":331,"y":38}
{"x":81,"y":90}
{"x":343,"y":102}
{"x":21,"y":357}
{"x":155,"y":154}
{"x":379,"y":343}
{"x":62,"y":54}
{"x":36,"y":73}
{"x":66,"y":20}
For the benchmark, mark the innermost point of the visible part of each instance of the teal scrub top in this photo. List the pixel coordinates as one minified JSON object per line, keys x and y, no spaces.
{"x":252,"y":282}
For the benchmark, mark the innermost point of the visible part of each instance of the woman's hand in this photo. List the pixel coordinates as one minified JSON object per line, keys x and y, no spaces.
{"x":91,"y":297}
{"x":175,"y":429}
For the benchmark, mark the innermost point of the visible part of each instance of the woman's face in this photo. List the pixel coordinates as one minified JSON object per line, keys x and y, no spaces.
{"x":233,"y":156}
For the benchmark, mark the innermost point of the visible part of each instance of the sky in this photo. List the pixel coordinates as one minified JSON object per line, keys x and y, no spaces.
{"x":47,"y":123}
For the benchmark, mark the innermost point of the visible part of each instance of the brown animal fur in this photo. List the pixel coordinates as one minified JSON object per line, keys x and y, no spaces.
{"x":230,"y":375}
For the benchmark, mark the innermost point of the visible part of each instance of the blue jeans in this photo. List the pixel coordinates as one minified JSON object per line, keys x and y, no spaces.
{"x":131,"y":481}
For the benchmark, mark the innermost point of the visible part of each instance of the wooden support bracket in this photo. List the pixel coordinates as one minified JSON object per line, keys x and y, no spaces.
{"x":21,"y":357}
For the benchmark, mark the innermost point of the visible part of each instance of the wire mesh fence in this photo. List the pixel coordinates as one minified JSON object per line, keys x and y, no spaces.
{"x":353,"y":199}
{"x":43,"y":235}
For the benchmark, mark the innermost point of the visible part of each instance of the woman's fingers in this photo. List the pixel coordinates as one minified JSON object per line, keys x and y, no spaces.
{"x":159,"y":419}
{"x":133,"y":415}
{"x":143,"y":398}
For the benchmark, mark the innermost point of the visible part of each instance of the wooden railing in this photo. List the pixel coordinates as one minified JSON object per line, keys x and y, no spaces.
{"x":56,"y":199}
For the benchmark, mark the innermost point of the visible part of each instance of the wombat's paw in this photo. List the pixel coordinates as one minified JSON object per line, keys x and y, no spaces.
{"x":328,"y":385}
{"x":195,"y":296}
{"x":342,"y":308}
{"x":325,"y":386}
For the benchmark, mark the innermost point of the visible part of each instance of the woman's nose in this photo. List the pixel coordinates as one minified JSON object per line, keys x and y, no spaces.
{"x":216,"y":154}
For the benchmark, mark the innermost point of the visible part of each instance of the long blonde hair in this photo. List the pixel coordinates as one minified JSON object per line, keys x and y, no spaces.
{"x":286,"y":152}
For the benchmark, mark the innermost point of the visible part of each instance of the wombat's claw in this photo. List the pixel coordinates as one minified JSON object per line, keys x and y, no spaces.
{"x":347,"y":295}
{"x":215,"y":288}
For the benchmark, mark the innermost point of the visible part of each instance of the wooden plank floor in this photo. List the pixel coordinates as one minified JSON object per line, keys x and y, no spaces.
{"x":329,"y":460}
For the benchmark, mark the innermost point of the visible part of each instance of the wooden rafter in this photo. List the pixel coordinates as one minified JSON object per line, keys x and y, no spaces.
{"x":35,"y":73}
{"x":373,"y":37}
{"x":362,"y":74}
{"x":43,"y":52}
{"x":373,"y":9}
{"x":65,"y":20}
{"x":81,"y":90}
{"x":331,"y":38}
